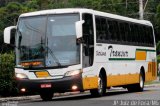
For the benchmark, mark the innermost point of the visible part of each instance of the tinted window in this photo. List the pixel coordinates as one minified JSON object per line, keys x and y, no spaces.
{"x":123,"y":32}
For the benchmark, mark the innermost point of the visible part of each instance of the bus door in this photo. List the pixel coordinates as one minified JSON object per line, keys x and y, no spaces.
{"x":88,"y":37}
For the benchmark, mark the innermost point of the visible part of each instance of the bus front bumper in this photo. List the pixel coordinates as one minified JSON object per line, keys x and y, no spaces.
{"x":73,"y":83}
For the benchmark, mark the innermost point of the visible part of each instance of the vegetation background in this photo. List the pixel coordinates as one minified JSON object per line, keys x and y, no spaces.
{"x":11,"y":9}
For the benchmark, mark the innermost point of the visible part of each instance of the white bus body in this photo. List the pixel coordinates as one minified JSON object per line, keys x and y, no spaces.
{"x":102,"y":63}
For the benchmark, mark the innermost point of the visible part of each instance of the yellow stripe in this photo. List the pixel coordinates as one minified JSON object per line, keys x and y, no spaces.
{"x":116,"y":80}
{"x":141,"y":55}
{"x":90,"y":82}
{"x":132,"y":78}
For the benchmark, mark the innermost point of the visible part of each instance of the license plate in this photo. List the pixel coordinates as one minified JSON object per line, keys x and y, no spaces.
{"x":46,"y":85}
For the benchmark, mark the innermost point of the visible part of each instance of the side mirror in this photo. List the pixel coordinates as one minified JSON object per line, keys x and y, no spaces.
{"x":79,"y":28}
{"x":7,"y":34}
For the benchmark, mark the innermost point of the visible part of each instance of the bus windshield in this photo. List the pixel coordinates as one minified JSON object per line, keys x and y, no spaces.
{"x":48,"y":41}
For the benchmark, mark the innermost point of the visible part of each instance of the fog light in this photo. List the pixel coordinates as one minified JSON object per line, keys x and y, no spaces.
{"x":23,"y":90}
{"x":74,"y":87}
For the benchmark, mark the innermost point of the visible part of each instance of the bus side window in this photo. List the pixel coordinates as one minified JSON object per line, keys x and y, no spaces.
{"x":129,"y":33}
{"x":101,"y":29}
{"x":118,"y":34}
{"x":115,"y":31}
{"x":139,"y":35}
{"x":151,"y":36}
{"x":148,"y":36}
{"x":108,"y":34}
{"x":122,"y":31}
{"x":136,"y":34}
{"x":126,"y":32}
{"x":111,"y":29}
{"x":132,"y":33}
{"x":144,"y":36}
{"x":98,"y":29}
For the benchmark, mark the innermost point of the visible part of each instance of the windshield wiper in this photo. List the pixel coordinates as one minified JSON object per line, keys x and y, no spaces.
{"x":53,"y":55}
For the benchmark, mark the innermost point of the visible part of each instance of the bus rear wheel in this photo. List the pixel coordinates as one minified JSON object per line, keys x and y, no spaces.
{"x":137,"y":87}
{"x":101,"y":90}
{"x":46,"y":95}
{"x":140,"y":85}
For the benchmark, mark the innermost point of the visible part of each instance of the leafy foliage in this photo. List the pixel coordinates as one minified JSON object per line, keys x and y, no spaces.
{"x":7,"y":84}
{"x":158,"y":48}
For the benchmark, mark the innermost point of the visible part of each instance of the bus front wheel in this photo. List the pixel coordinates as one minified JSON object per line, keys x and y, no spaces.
{"x":101,"y":90}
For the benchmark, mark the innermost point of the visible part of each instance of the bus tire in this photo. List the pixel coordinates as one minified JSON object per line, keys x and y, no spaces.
{"x":101,"y":90}
{"x":46,"y":95}
{"x":137,"y":87}
{"x":140,"y":85}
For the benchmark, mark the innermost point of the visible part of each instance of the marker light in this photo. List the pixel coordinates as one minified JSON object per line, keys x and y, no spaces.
{"x":34,"y":63}
{"x":23,"y":90}
{"x":73,"y":73}
{"x":74,"y":87}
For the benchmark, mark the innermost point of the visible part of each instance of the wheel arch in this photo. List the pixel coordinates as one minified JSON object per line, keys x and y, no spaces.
{"x":104,"y":74}
{"x":142,"y":70}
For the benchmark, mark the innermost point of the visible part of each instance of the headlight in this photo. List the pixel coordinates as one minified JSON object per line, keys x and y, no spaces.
{"x":21,"y":76}
{"x":73,"y":73}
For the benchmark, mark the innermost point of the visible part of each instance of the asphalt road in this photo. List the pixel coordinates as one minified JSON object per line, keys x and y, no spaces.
{"x":118,"y":97}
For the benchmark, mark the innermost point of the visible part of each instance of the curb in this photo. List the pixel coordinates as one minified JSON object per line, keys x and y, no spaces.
{"x":21,"y":98}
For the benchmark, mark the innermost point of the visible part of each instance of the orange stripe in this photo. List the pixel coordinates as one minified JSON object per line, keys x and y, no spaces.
{"x":141,"y":55}
{"x":152,"y":71}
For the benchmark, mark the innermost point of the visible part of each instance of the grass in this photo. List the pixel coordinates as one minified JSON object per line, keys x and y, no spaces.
{"x":152,"y":82}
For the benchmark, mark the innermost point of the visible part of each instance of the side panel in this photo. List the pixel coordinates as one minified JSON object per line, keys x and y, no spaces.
{"x":123,"y":63}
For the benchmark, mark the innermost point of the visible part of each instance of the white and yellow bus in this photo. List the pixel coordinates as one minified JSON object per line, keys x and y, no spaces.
{"x":64,"y":50}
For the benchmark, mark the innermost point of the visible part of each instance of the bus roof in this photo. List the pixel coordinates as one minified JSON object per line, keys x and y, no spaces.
{"x":83,"y":10}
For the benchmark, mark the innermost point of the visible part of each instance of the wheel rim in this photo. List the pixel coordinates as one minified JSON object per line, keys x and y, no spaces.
{"x":100,"y":85}
{"x":141,"y":82}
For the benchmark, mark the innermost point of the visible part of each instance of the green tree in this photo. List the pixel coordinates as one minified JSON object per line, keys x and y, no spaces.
{"x":157,"y":23}
{"x":158,"y":48}
{"x":9,"y":16}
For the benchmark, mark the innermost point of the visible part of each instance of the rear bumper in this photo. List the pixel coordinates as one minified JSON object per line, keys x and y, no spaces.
{"x":57,"y":85}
